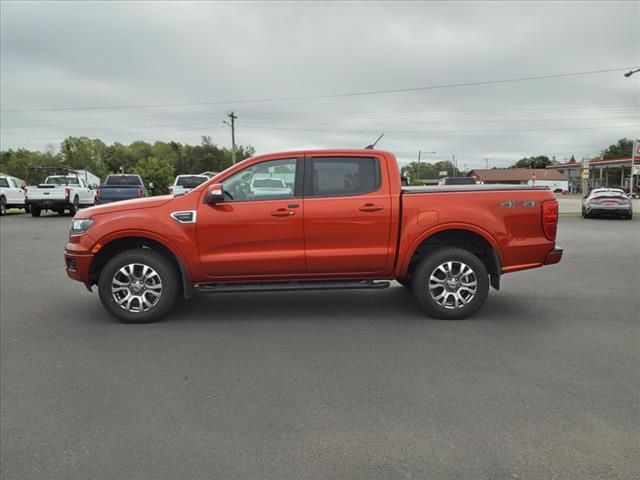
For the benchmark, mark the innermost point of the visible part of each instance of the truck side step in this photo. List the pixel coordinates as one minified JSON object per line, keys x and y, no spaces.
{"x":284,"y":286}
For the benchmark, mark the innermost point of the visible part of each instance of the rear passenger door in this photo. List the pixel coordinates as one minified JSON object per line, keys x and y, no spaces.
{"x":347,"y":215}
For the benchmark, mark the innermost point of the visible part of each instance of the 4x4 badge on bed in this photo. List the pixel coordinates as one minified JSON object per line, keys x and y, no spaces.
{"x":518,"y":203}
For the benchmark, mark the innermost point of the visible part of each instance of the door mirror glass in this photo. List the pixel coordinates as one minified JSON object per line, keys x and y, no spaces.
{"x":215,"y":194}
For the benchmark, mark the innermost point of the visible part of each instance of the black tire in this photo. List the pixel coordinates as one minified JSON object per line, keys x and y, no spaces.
{"x":74,"y":207}
{"x":584,"y":213}
{"x":405,"y":282}
{"x":35,"y":211}
{"x":3,"y":206}
{"x":27,"y":208}
{"x":162,"y":266}
{"x":430,"y":265}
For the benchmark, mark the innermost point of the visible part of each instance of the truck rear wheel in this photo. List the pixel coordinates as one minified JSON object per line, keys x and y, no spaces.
{"x":35,"y":211}
{"x":451,"y":283}
{"x":74,"y":207}
{"x":3,"y":206}
{"x":138,"y":286}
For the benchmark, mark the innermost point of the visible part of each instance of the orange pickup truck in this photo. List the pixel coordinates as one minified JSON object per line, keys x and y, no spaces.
{"x":307,"y":220}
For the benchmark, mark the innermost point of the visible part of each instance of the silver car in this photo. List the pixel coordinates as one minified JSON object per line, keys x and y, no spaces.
{"x":607,"y":201}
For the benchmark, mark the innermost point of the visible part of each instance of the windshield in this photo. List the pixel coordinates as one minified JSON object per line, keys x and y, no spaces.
{"x":124,"y":180}
{"x":268,"y":183}
{"x":62,"y":181}
{"x":191,"y":181}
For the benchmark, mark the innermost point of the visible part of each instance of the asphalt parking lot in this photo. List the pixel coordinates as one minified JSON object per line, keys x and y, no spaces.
{"x":542,"y":383}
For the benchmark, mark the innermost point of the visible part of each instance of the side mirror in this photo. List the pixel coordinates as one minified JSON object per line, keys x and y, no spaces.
{"x":151,"y":186}
{"x":215,"y":194}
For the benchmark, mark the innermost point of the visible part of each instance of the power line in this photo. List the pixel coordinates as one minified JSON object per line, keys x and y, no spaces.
{"x":327,"y":96}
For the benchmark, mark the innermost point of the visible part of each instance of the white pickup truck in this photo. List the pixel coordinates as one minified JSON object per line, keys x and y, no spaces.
{"x":59,"y":193}
{"x":11,"y":194}
{"x":185,"y":183}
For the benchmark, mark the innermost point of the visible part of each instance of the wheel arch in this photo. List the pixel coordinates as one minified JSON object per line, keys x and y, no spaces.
{"x":476,"y":241}
{"x":128,"y":242}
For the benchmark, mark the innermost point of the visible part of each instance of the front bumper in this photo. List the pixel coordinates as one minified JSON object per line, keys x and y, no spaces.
{"x":78,"y":257}
{"x":554,"y":256}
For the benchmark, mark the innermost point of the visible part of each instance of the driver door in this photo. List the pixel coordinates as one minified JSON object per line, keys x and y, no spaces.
{"x":257,"y":231}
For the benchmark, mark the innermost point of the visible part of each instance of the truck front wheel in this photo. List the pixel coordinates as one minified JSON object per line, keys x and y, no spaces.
{"x":138,"y":286}
{"x":451,"y":283}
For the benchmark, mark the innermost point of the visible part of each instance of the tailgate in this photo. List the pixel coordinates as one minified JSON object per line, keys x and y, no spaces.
{"x":46,"y":193}
{"x":117,"y":192}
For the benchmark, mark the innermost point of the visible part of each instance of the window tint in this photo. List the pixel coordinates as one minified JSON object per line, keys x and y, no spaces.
{"x":344,"y":176}
{"x":263,"y":181}
{"x":190,"y":181}
{"x":62,"y":181}
{"x":126,"y":180}
{"x":609,"y":193}
{"x":4,"y":182}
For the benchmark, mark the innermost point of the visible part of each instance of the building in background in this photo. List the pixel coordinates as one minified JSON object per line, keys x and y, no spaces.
{"x":611,"y":172}
{"x":553,"y":179}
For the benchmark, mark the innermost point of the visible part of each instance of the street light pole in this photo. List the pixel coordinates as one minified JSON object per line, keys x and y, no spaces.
{"x":420,"y":152}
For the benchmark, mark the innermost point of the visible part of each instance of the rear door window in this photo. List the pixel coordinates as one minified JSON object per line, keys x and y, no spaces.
{"x":343,"y":176}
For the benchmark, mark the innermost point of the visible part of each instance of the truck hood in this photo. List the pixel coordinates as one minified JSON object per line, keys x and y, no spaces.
{"x":125,"y":206}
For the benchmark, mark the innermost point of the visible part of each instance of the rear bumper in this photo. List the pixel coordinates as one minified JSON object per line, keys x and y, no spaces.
{"x":48,"y":203}
{"x":609,"y":210}
{"x":554,"y":256}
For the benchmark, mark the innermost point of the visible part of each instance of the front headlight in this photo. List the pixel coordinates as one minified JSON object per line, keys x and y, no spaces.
{"x":78,"y":227}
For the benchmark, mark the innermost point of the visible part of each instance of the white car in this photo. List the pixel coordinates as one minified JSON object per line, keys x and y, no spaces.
{"x":269,"y":187}
{"x":59,"y":193}
{"x":11,"y":194}
{"x":185,"y":183}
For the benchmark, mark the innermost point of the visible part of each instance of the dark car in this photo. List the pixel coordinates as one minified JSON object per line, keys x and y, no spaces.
{"x":607,"y":201}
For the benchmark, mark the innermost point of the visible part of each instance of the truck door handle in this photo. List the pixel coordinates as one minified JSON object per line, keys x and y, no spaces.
{"x":282,"y":212}
{"x":370,"y":207}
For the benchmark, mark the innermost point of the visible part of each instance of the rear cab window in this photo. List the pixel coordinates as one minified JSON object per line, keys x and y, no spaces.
{"x":124,"y":180}
{"x":190,"y":181}
{"x":342,"y":176}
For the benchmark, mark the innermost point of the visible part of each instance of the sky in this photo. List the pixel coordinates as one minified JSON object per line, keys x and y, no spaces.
{"x":126,"y":71}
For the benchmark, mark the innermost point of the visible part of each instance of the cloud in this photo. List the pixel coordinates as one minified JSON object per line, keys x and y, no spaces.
{"x":95,"y":54}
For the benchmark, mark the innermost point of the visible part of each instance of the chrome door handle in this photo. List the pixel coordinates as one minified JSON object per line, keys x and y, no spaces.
{"x":370,"y":207}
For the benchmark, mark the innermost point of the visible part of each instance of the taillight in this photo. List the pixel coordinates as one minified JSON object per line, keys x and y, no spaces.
{"x":67,"y":194}
{"x":550,"y":219}
{"x":171,"y":189}
{"x":97,"y":194}
{"x":140,"y":192}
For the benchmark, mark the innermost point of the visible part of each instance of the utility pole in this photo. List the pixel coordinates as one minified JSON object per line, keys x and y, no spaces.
{"x":487,"y":162}
{"x":420,"y":152}
{"x":232,"y":117}
{"x":455,"y":169}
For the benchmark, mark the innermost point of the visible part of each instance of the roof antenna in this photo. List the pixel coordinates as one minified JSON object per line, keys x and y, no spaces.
{"x":370,"y":147}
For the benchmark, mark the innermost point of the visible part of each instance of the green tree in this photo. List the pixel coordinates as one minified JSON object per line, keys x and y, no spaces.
{"x":84,"y":153}
{"x":621,"y":149}
{"x":156,"y":171}
{"x":541,"y":161}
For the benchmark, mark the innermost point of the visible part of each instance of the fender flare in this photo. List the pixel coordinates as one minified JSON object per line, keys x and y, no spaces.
{"x":404,"y":265}
{"x":187,"y":285}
